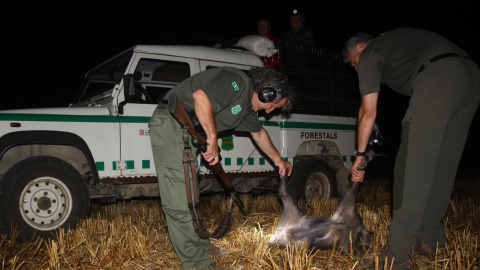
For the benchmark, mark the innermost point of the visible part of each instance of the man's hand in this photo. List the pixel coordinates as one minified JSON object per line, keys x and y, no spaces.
{"x":263,"y":141}
{"x":366,"y":120}
{"x":358,"y":175}
{"x":285,"y":167}
{"x":212,"y":153}
{"x":204,"y":112}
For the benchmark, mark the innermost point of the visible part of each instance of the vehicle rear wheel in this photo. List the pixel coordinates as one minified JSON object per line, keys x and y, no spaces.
{"x":40,"y":194}
{"x":311,"y":179}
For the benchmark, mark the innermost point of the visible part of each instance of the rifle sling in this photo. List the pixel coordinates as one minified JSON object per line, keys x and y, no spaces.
{"x":180,"y":113}
{"x":194,"y":206}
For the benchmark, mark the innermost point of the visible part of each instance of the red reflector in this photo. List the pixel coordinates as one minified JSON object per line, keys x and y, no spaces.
{"x":15,"y":124}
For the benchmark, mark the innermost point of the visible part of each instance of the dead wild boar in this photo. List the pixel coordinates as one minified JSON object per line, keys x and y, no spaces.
{"x":321,"y":232}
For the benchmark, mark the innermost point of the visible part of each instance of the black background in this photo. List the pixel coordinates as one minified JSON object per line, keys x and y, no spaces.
{"x":49,"y":46}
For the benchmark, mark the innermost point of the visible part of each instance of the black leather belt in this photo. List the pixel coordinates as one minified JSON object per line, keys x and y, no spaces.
{"x":441,"y":56}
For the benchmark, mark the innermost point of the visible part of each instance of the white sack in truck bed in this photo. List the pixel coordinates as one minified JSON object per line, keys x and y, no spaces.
{"x":259,"y":45}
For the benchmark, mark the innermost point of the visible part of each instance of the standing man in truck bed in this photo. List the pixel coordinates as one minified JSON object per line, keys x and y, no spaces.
{"x":444,"y":88}
{"x":299,"y":35}
{"x":222,"y":98}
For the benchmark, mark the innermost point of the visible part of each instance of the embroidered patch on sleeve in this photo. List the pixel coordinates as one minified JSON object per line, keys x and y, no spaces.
{"x":236,"y":109}
{"x":235,"y":86}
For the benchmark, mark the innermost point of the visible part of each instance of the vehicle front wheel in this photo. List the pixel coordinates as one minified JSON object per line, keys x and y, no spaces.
{"x":311,"y":179}
{"x":40,"y":194}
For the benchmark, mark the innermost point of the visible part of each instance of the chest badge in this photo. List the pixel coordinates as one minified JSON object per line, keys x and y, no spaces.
{"x":236,"y":109}
{"x":235,"y":86}
{"x":227,"y":143}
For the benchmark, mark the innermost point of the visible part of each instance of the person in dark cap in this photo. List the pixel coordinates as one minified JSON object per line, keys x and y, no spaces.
{"x":299,"y":34}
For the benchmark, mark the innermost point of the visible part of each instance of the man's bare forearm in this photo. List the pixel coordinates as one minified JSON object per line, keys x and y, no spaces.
{"x":265,"y":143}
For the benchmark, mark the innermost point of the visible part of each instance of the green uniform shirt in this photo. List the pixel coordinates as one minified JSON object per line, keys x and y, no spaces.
{"x":230,"y":92}
{"x":395,"y":57}
{"x":303,"y":37}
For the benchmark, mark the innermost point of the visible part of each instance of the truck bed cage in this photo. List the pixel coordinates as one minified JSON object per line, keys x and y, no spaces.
{"x":324,"y":84}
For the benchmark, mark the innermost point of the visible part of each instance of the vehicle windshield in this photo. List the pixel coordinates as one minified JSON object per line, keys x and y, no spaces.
{"x":100,"y":81}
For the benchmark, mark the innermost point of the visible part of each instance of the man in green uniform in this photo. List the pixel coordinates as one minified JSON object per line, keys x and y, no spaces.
{"x":222,"y":98}
{"x":444,"y":88}
{"x":299,"y":34}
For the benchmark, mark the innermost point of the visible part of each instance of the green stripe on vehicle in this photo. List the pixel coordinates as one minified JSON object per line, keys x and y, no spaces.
{"x":130,"y":164}
{"x":134,"y":119}
{"x":146,"y":119}
{"x":100,"y":165}
{"x":72,"y":118}
{"x":250,"y":161}
{"x":145,"y":164}
{"x":307,"y":125}
{"x":57,"y":118}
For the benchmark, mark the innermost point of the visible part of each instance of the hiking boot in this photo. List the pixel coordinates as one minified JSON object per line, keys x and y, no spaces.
{"x":423,"y":249}
{"x":387,"y":256}
{"x":217,"y":252}
{"x":213,"y":266}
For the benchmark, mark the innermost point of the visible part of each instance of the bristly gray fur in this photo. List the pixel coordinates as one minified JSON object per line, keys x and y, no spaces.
{"x":321,"y":232}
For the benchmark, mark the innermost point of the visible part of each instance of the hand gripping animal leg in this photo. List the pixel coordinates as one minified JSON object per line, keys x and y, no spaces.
{"x":290,"y":217}
{"x":321,"y":232}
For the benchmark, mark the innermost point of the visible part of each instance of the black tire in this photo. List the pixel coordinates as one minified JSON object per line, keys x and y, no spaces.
{"x":311,"y":179}
{"x":40,"y":194}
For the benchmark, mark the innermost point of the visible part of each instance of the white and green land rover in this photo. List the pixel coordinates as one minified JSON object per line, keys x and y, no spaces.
{"x":54,"y":161}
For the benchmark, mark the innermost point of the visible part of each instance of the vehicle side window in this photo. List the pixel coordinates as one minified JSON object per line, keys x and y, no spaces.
{"x":157,"y":77}
{"x":101,"y":80}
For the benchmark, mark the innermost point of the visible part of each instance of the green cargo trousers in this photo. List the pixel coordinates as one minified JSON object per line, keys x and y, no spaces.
{"x":445,"y":97}
{"x":167,"y":146}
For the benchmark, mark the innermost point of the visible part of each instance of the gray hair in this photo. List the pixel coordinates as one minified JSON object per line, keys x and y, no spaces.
{"x":263,"y":77}
{"x":351,"y":44}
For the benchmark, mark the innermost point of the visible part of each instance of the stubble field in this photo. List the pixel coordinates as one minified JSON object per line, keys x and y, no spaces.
{"x":133,"y":235}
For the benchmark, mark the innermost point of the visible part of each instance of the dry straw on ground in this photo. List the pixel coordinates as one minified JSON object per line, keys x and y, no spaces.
{"x":133,"y":235}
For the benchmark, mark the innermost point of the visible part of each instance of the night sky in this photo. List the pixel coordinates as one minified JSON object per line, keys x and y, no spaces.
{"x":49,"y":47}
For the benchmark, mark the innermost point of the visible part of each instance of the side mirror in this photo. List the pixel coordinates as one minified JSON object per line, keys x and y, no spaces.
{"x":129,"y":87}
{"x":128,"y":91}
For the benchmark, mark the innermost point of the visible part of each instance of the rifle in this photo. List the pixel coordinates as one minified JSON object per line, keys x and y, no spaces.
{"x":198,"y":140}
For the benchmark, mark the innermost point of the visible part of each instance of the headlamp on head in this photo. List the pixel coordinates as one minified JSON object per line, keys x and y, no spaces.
{"x":296,"y":12}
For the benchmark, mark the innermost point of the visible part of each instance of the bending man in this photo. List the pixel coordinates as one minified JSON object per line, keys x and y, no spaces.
{"x":444,"y":88}
{"x":223,"y":98}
